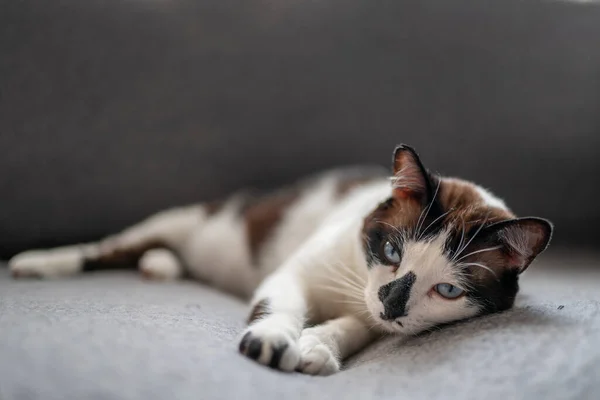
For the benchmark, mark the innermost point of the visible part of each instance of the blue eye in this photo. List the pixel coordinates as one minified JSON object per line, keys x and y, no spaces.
{"x":391,"y":253}
{"x":448,"y":291}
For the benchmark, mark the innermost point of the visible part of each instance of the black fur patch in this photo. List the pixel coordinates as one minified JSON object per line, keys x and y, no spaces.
{"x":254,"y":348}
{"x":373,"y":244}
{"x":259,"y":311}
{"x":244,"y":342}
{"x":495,"y":295}
{"x":395,"y":295}
{"x":277,"y":354}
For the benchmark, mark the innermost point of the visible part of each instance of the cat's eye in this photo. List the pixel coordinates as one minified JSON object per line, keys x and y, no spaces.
{"x":391,"y":253}
{"x":448,"y":291}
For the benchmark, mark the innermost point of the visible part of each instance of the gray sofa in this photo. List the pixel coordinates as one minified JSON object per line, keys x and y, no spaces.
{"x":111,"y":110}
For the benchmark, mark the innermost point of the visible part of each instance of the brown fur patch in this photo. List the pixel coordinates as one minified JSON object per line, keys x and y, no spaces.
{"x":259,"y":311}
{"x":464,"y":197}
{"x":458,"y":200}
{"x":396,"y":213}
{"x":467,"y":208}
{"x":213,"y":207}
{"x":125,"y":257}
{"x":263,"y":215}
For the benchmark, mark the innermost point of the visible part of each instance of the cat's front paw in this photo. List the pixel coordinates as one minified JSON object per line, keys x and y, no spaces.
{"x":316,"y":358}
{"x":271,"y":347}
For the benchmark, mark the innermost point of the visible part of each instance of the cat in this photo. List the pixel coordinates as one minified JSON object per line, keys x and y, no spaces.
{"x":334,"y":262}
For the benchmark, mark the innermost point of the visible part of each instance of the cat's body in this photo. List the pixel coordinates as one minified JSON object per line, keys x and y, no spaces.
{"x":347,"y":253}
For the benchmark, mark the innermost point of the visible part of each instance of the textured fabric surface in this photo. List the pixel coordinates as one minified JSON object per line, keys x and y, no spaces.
{"x":113,"y":336}
{"x":113,"y":109}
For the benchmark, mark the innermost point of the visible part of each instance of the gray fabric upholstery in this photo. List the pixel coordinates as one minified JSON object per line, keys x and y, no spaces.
{"x":113,"y":336}
{"x":113,"y":109}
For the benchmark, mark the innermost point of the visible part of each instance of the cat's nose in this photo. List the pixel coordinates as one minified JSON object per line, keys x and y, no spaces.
{"x":394,"y":296}
{"x":392,"y":316}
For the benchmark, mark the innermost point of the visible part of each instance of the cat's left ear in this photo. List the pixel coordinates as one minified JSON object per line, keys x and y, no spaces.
{"x":521,"y":240}
{"x":411,"y":179}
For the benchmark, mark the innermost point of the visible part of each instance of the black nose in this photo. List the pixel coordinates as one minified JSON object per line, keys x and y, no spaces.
{"x":395,"y":295}
{"x":388,"y":317}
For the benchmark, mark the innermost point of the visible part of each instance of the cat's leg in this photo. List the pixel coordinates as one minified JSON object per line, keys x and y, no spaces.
{"x":324,"y":347}
{"x":276,"y":321}
{"x":165,"y":230}
{"x":160,"y":264}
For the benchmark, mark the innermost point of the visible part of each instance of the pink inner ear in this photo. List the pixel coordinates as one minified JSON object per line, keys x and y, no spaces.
{"x":525,"y":242}
{"x":402,"y":193}
{"x":408,"y":180}
{"x":516,"y":261}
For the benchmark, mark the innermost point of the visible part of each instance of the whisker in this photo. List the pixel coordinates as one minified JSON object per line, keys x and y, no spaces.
{"x":343,"y":289}
{"x":462,"y":238}
{"x":345,"y":285}
{"x":343,"y":281}
{"x":343,"y":292}
{"x":434,"y":221}
{"x":359,"y":282}
{"x":362,"y":303}
{"x":390,"y":225}
{"x":341,"y":269}
{"x":473,"y":237}
{"x":479,"y":251}
{"x":420,"y":222}
{"x":479,"y":265}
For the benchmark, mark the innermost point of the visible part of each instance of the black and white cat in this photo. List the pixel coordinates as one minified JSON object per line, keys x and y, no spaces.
{"x":334,"y":262}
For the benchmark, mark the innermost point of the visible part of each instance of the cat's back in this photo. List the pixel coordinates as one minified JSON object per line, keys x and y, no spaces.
{"x":263,"y":230}
{"x":279,"y":222}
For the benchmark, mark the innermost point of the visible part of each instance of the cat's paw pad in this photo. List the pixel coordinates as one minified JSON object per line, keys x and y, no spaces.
{"x":316,"y":358}
{"x":271,"y":348}
{"x":45,"y":263}
{"x":159,"y":264}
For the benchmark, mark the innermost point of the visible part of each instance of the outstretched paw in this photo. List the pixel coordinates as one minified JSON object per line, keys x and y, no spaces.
{"x":270,"y":347}
{"x":316,"y":358}
{"x":46,"y":263}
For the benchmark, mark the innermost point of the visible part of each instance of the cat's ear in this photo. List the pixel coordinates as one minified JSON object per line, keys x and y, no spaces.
{"x":519,"y":240}
{"x":411,"y":179}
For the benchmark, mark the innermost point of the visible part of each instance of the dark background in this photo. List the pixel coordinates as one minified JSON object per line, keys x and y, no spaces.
{"x":113,"y":109}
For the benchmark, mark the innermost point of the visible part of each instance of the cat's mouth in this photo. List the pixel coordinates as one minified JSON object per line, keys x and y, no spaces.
{"x":395,"y":326}
{"x":376,"y":309}
{"x":387,"y":319}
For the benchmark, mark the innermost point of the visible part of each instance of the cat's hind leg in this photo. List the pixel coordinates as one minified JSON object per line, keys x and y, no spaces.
{"x":160,"y":264}
{"x":162,"y":233}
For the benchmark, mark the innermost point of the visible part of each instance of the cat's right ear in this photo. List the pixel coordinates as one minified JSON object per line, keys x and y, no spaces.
{"x":411,"y":179}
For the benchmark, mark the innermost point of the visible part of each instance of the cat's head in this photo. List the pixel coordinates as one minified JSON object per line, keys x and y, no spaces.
{"x":441,"y":250}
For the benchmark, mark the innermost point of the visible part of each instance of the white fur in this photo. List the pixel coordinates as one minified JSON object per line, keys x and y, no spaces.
{"x":216,"y":252}
{"x":171,"y":227}
{"x":160,"y":264}
{"x":425,"y":307}
{"x":300,"y":220}
{"x":490,"y":199}
{"x":314,"y":264}
{"x":324,"y":346}
{"x":322,"y":280}
{"x":52,"y":263}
